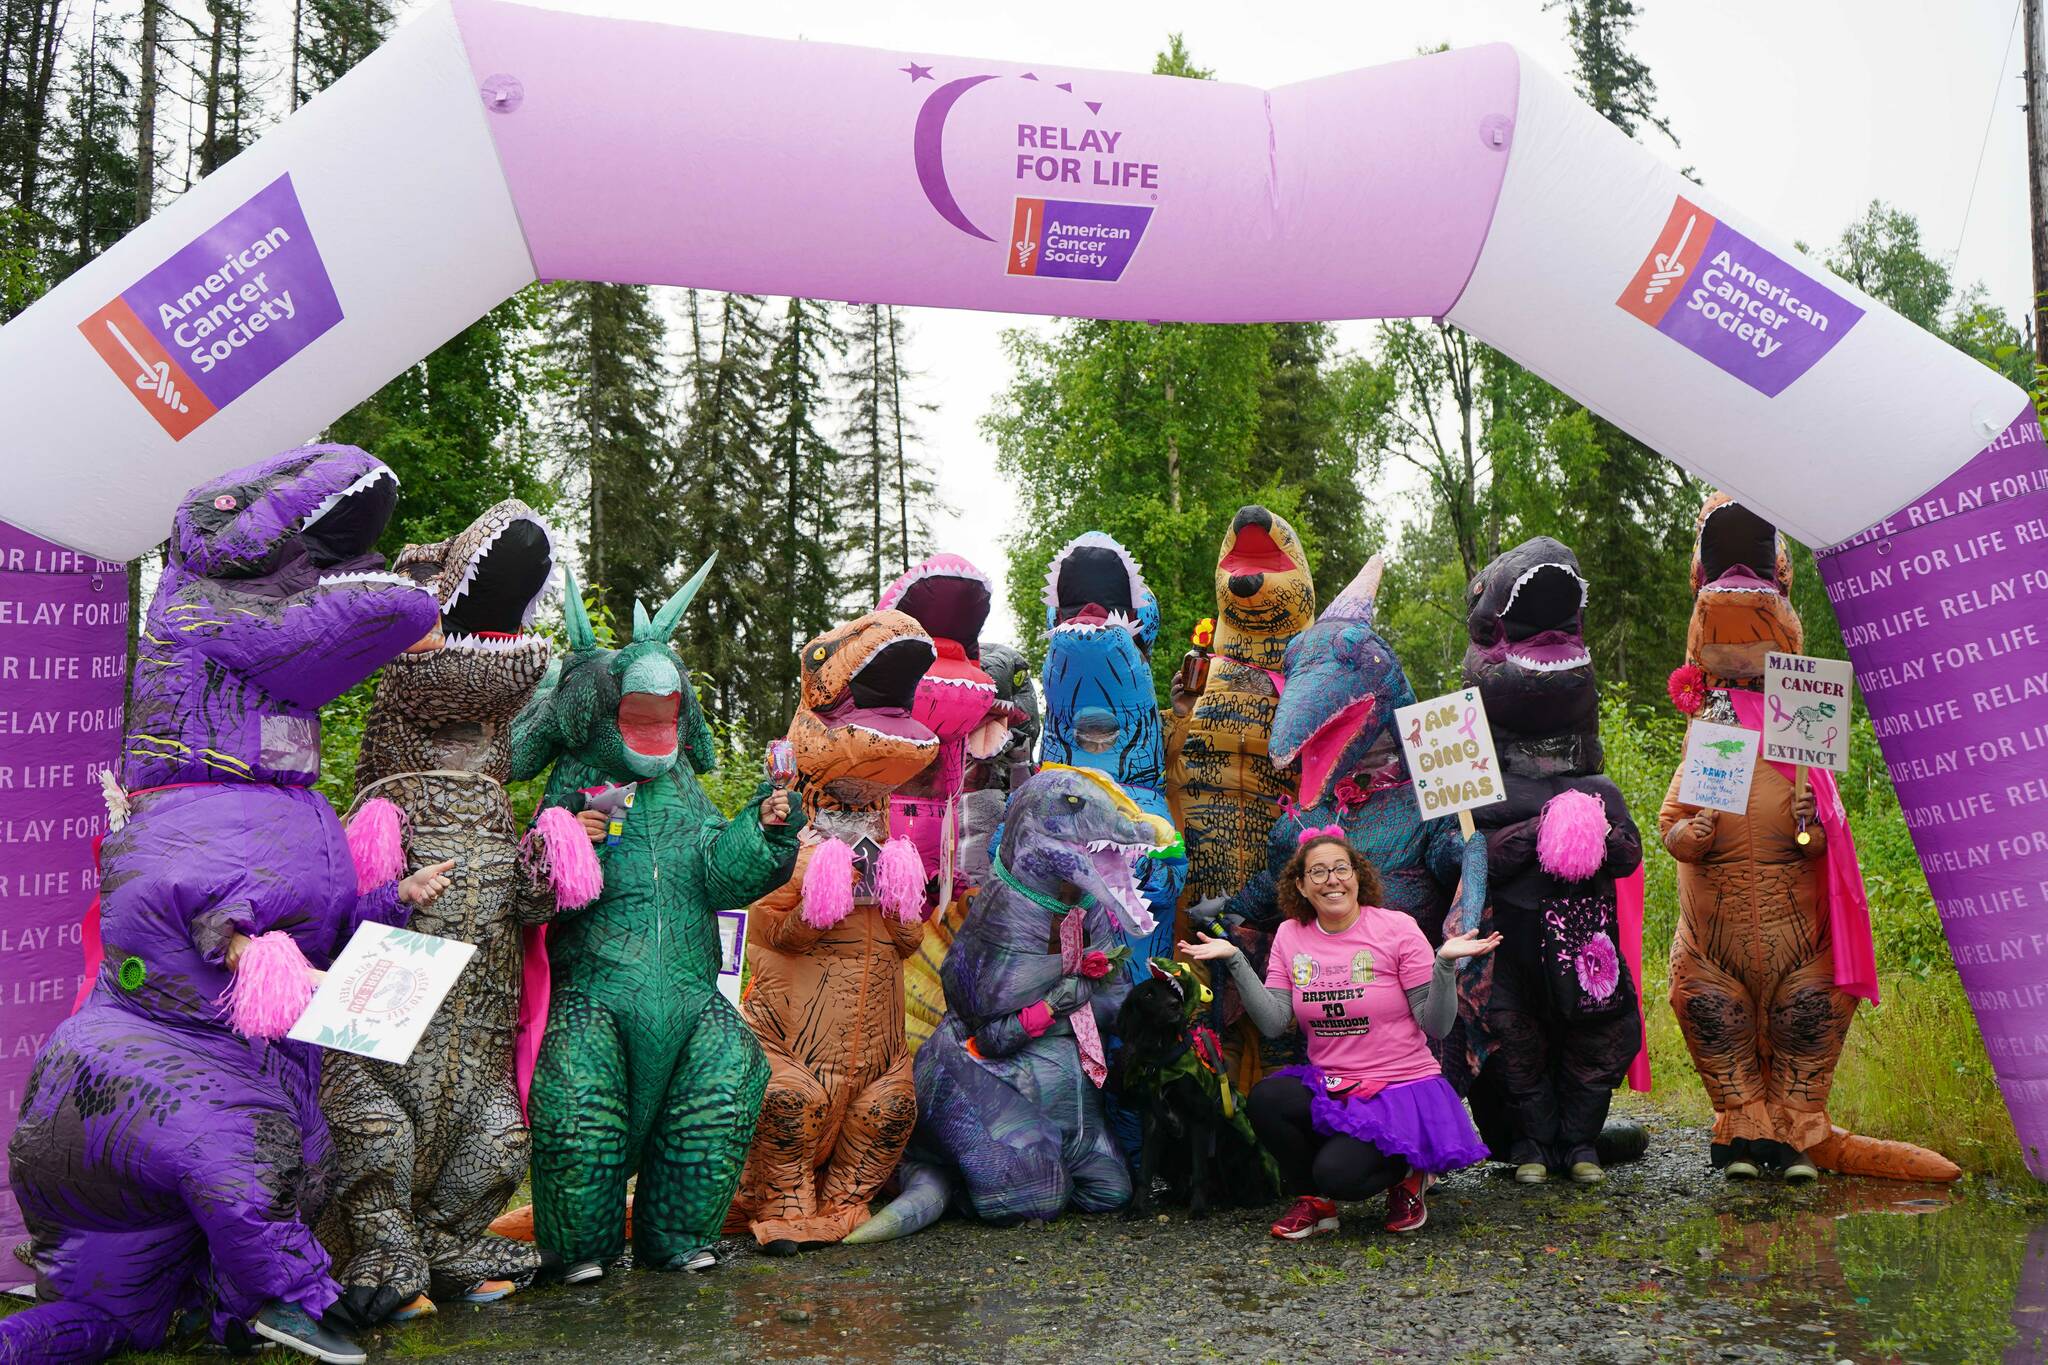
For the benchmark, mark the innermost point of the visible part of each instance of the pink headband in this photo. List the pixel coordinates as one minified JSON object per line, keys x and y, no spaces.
{"x":1312,"y":833}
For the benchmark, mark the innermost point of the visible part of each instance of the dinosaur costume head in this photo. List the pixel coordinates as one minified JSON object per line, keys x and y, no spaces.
{"x":449,"y":707}
{"x":1073,"y":827}
{"x":1101,"y":711}
{"x":1007,"y":667}
{"x":1743,"y":610}
{"x":957,"y":701}
{"x":1264,"y":592}
{"x":327,"y":503}
{"x":1336,"y":717}
{"x":1528,"y":656}
{"x":624,"y":715}
{"x":855,"y":736}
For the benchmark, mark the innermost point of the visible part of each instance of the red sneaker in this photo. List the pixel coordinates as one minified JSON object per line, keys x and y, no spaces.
{"x":1405,"y":1210}
{"x":1310,"y":1216}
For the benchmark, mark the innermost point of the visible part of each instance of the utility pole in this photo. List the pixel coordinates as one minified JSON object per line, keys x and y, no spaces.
{"x":2037,"y":175}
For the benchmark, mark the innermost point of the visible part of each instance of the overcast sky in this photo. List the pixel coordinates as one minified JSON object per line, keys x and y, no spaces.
{"x":1798,"y":112}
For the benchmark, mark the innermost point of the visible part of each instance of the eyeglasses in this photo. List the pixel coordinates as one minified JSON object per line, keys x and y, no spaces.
{"x":1340,"y":872}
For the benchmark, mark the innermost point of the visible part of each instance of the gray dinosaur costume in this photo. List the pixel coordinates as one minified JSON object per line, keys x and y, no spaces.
{"x":426,"y":1154}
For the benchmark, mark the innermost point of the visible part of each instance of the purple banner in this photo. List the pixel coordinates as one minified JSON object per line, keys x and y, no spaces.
{"x":1945,"y":611}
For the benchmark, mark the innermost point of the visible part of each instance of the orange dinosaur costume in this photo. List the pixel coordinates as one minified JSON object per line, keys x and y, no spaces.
{"x":1754,"y":976}
{"x":827,"y":948}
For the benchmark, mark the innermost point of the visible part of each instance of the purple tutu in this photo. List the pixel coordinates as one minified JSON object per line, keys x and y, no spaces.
{"x":1423,"y":1121}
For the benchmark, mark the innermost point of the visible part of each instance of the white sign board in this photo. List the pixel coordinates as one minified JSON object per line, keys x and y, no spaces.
{"x":1720,"y":761}
{"x":1806,"y":711}
{"x":1449,"y":749}
{"x":732,"y":952}
{"x":381,"y":992}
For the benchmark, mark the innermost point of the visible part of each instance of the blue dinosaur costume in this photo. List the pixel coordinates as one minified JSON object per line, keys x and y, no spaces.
{"x":164,"y":1162}
{"x":1100,"y":709}
{"x":1008,"y":1120}
{"x":1336,"y":722}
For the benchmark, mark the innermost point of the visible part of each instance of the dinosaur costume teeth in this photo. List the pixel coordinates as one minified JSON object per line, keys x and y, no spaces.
{"x":645,"y":1068}
{"x":826,"y":995}
{"x":267,"y":609}
{"x":428,"y":1153}
{"x":1755,"y":983}
{"x":1551,"y":1019}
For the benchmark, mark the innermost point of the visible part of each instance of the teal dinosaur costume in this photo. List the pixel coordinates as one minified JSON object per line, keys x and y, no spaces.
{"x":645,"y":1068}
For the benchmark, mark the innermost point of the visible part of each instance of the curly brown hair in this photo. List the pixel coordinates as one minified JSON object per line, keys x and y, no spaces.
{"x":1289,"y":883}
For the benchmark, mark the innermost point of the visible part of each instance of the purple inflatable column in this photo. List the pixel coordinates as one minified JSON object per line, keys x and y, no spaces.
{"x":63,"y":648}
{"x":1945,"y":610}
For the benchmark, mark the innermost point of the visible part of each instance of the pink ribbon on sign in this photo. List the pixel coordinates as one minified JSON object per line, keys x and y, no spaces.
{"x":1086,"y":1036}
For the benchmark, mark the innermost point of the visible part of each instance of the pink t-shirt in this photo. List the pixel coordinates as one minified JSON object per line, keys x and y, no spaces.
{"x":1351,"y":994}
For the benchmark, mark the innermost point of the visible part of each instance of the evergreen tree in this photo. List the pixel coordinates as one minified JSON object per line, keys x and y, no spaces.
{"x":333,"y":35}
{"x":228,"y":111}
{"x":1611,"y":78}
{"x":31,"y":40}
{"x":94,"y":201}
{"x":801,"y":592}
{"x":888,"y":493}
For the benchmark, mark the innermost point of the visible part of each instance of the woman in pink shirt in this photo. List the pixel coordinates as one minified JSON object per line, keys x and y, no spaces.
{"x":1371,"y":1110}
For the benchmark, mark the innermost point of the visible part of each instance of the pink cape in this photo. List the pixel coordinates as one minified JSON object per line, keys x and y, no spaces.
{"x":1841,"y":872}
{"x":1628,"y":912}
{"x":533,"y":1009}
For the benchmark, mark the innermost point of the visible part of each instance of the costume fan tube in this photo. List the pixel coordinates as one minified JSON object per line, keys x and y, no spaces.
{"x":164,"y":1162}
{"x":489,"y":144}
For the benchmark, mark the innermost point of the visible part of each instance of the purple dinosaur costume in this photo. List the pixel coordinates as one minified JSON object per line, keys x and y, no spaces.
{"x":165,"y":1163}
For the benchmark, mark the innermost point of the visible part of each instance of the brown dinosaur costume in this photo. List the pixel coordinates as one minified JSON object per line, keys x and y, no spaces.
{"x":1753,"y":979}
{"x":827,"y":948}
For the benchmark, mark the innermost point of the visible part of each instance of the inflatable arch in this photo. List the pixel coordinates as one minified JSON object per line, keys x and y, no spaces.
{"x":489,"y":144}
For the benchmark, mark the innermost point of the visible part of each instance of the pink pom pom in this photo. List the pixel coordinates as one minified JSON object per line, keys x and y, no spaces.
{"x":272,"y":983}
{"x":828,"y":884}
{"x":899,"y":880}
{"x":376,"y":841}
{"x":1571,"y":842}
{"x":572,"y":863}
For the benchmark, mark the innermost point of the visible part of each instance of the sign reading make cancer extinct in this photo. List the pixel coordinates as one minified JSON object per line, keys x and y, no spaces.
{"x":1449,"y":749}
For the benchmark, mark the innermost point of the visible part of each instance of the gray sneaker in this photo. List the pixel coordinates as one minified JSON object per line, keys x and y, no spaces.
{"x":292,"y":1327}
{"x":583,"y":1272}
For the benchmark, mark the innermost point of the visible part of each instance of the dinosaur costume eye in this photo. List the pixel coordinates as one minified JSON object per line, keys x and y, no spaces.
{"x":818,"y":655}
{"x":1073,"y":803}
{"x":1017,"y":678}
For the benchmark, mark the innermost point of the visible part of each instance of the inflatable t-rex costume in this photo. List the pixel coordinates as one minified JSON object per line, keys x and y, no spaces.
{"x":645,"y":1066}
{"x":1225,"y":791}
{"x":426,"y":1154}
{"x":990,"y":780}
{"x":827,"y":948}
{"x":1006,"y":1088}
{"x":1552,"y":1018}
{"x":1773,"y":944}
{"x":164,"y":1162}
{"x":1101,"y":710}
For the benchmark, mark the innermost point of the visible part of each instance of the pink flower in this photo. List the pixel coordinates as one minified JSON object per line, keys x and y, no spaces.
{"x":1688,"y":688}
{"x":1599,"y":967}
{"x":1094,"y":964}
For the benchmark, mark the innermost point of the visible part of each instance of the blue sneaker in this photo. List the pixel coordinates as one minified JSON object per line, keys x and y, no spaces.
{"x":292,"y":1327}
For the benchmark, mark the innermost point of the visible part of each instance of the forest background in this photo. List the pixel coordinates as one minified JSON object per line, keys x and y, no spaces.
{"x":656,"y":426}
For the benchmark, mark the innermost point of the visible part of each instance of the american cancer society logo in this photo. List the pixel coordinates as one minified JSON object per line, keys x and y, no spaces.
{"x":204,"y":327}
{"x":1074,"y":240}
{"x":1745,"y":310}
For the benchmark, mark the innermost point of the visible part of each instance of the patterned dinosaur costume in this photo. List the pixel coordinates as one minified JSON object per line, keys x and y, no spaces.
{"x":426,"y":1154}
{"x":163,"y":1162}
{"x":990,"y":780}
{"x":958,"y":702}
{"x":1335,"y":725}
{"x":645,"y":1068}
{"x":826,"y":994}
{"x":1005,"y":1103}
{"x":1101,"y":711}
{"x":1755,"y":981}
{"x":1551,"y":1018}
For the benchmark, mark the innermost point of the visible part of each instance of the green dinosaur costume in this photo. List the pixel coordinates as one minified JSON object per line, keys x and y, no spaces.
{"x":645,"y":1068}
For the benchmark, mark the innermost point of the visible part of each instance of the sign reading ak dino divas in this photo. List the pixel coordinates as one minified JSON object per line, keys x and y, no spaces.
{"x":1449,"y":748}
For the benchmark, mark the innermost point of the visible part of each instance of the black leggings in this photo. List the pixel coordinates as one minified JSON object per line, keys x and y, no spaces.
{"x":1334,"y":1167}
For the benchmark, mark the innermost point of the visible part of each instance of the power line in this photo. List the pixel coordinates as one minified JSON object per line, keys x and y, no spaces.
{"x":1985,"y":142}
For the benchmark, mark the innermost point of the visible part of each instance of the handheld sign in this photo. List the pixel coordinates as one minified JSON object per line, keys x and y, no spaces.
{"x":1806,"y":711}
{"x":381,"y":992}
{"x":1720,"y":761}
{"x":1449,"y":748}
{"x":732,"y":952}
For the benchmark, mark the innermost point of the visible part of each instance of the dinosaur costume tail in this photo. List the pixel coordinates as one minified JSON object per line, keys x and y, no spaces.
{"x":1848,"y":1153}
{"x":926,"y":1190}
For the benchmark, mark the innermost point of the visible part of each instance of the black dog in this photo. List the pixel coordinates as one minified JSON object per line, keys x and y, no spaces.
{"x":1195,"y":1134}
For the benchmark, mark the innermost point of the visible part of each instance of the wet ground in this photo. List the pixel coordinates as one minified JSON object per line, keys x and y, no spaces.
{"x":1667,"y":1262}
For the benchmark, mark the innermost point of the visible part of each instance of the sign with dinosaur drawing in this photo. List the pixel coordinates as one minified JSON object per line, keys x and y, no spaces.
{"x":1720,"y":760}
{"x":1806,"y":710}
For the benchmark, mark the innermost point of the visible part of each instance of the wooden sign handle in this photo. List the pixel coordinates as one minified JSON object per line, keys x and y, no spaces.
{"x":1465,"y":823}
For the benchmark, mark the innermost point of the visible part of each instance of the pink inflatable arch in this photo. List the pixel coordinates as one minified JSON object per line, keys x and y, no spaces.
{"x":490,"y":144}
